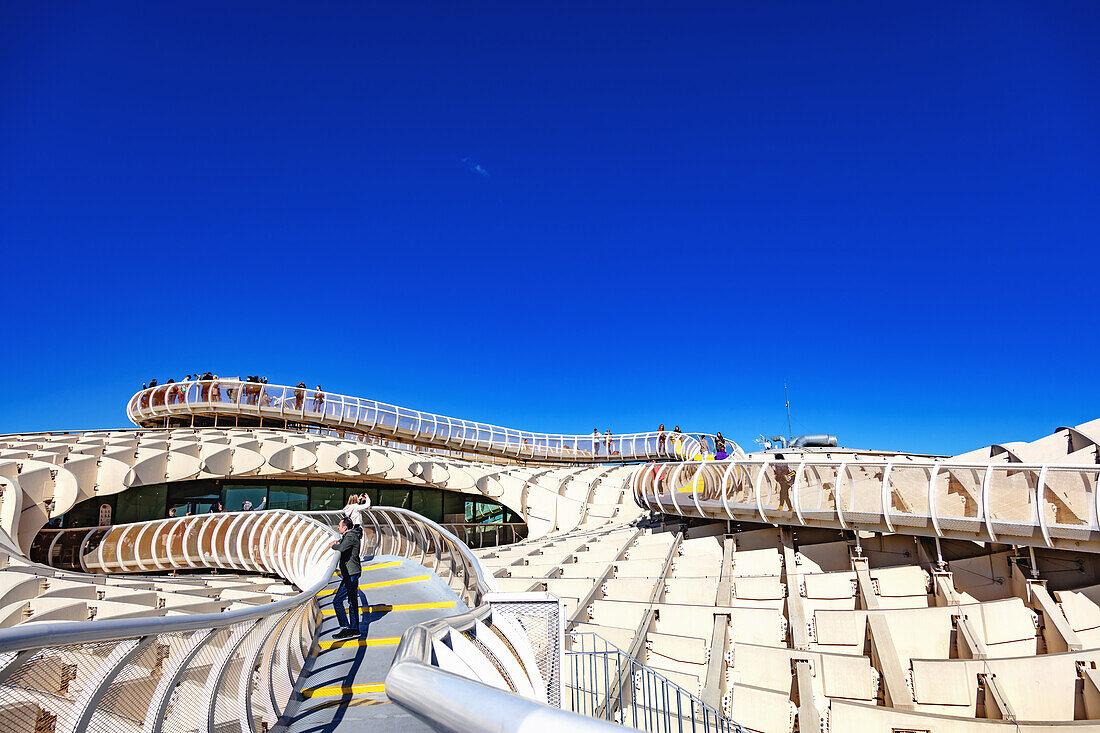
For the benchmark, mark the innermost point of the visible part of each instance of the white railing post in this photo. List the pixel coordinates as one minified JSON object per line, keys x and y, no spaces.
{"x":1040,"y":489}
{"x":886,"y":496}
{"x":987,"y":481}
{"x":932,"y":499}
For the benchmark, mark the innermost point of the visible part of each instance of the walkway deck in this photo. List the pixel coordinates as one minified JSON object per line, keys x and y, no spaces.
{"x":343,"y":684}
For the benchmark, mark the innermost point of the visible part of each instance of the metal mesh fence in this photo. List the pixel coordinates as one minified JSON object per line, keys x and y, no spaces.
{"x":542,"y":621}
{"x":42,"y":692}
{"x":126,"y":700}
{"x":229,"y":699}
{"x":190,"y":698}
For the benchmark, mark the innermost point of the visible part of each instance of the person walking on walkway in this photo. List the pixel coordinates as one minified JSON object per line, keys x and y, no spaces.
{"x":351,"y":537}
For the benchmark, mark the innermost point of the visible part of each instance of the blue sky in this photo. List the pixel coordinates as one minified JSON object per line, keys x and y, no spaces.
{"x":561,"y":216}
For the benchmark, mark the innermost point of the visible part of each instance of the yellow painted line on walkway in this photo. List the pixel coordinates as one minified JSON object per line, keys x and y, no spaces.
{"x":380,"y":584}
{"x":343,"y":690}
{"x":378,"y":566}
{"x":378,"y":641}
{"x":399,"y":607}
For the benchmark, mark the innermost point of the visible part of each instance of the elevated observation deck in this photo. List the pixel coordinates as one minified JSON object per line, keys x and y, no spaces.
{"x":1043,"y":505}
{"x":231,"y":402}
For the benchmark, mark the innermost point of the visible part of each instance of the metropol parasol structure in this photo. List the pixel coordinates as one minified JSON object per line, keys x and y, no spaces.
{"x":176,"y":575}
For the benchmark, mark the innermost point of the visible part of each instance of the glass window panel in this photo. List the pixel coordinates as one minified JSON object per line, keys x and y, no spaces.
{"x":428,"y":502}
{"x":289,"y":496}
{"x":86,"y":513}
{"x":325,"y":497}
{"x":454,"y":507}
{"x":237,"y":494}
{"x":395,"y":497}
{"x":141,"y":504}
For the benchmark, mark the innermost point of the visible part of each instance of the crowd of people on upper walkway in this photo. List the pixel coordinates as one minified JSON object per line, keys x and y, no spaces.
{"x":212,"y":388}
{"x":666,"y":443}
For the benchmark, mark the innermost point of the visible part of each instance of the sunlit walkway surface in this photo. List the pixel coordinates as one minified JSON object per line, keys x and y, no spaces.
{"x":343,"y":683}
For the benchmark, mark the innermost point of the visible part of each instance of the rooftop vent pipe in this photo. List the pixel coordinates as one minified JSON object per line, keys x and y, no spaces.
{"x":820,"y":440}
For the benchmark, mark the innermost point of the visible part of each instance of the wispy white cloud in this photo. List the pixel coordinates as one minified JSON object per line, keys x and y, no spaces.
{"x":474,"y":167}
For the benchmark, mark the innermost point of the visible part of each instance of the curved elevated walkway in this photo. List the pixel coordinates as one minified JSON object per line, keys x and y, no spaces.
{"x":778,"y":618}
{"x":1050,"y":504}
{"x":343,"y":683}
{"x":232,"y":402}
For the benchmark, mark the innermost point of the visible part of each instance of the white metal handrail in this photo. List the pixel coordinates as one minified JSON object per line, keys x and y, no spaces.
{"x":236,"y":671}
{"x":396,"y":531}
{"x":1052,"y":505}
{"x":80,"y":676}
{"x":232,"y":397}
{"x":293,"y":545}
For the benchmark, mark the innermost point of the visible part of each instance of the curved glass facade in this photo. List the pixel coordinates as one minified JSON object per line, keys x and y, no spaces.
{"x":202,"y":496}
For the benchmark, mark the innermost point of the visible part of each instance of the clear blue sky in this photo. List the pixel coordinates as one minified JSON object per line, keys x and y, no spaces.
{"x":561,"y":216}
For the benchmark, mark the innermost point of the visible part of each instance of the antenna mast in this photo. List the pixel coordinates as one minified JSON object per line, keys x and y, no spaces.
{"x":787,"y":397}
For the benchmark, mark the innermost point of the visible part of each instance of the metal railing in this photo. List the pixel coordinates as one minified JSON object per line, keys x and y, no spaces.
{"x":237,"y":671}
{"x":1052,"y":505}
{"x":498,"y":667}
{"x":233,"y":671}
{"x":491,"y":534}
{"x":466,"y":674}
{"x":288,"y":544}
{"x":606,"y":682}
{"x":282,"y":405}
{"x":394,"y":531}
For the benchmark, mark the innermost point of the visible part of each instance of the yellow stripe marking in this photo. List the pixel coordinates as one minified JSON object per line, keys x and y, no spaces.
{"x":380,"y":584}
{"x":343,"y":690}
{"x":378,"y":641}
{"x":377,"y":566}
{"x":400,"y":607}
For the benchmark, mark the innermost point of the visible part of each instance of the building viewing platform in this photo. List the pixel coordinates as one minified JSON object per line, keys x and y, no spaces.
{"x":230,"y":402}
{"x":1052,"y":505}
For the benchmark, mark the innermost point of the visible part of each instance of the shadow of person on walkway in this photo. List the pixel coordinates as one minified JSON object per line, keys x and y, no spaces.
{"x":369,"y":615}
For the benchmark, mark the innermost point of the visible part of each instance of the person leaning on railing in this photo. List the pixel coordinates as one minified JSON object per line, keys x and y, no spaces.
{"x":720,"y":446}
{"x":350,"y":566}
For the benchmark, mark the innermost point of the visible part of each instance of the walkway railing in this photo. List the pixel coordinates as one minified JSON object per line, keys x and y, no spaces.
{"x":232,"y":671}
{"x":1052,"y":505}
{"x":606,"y":682}
{"x":489,"y":534}
{"x":227,"y":399}
{"x":394,"y":531}
{"x":498,"y":667}
{"x":237,"y":671}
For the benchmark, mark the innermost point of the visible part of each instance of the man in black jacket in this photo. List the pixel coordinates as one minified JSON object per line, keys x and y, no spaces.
{"x":351,"y":537}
